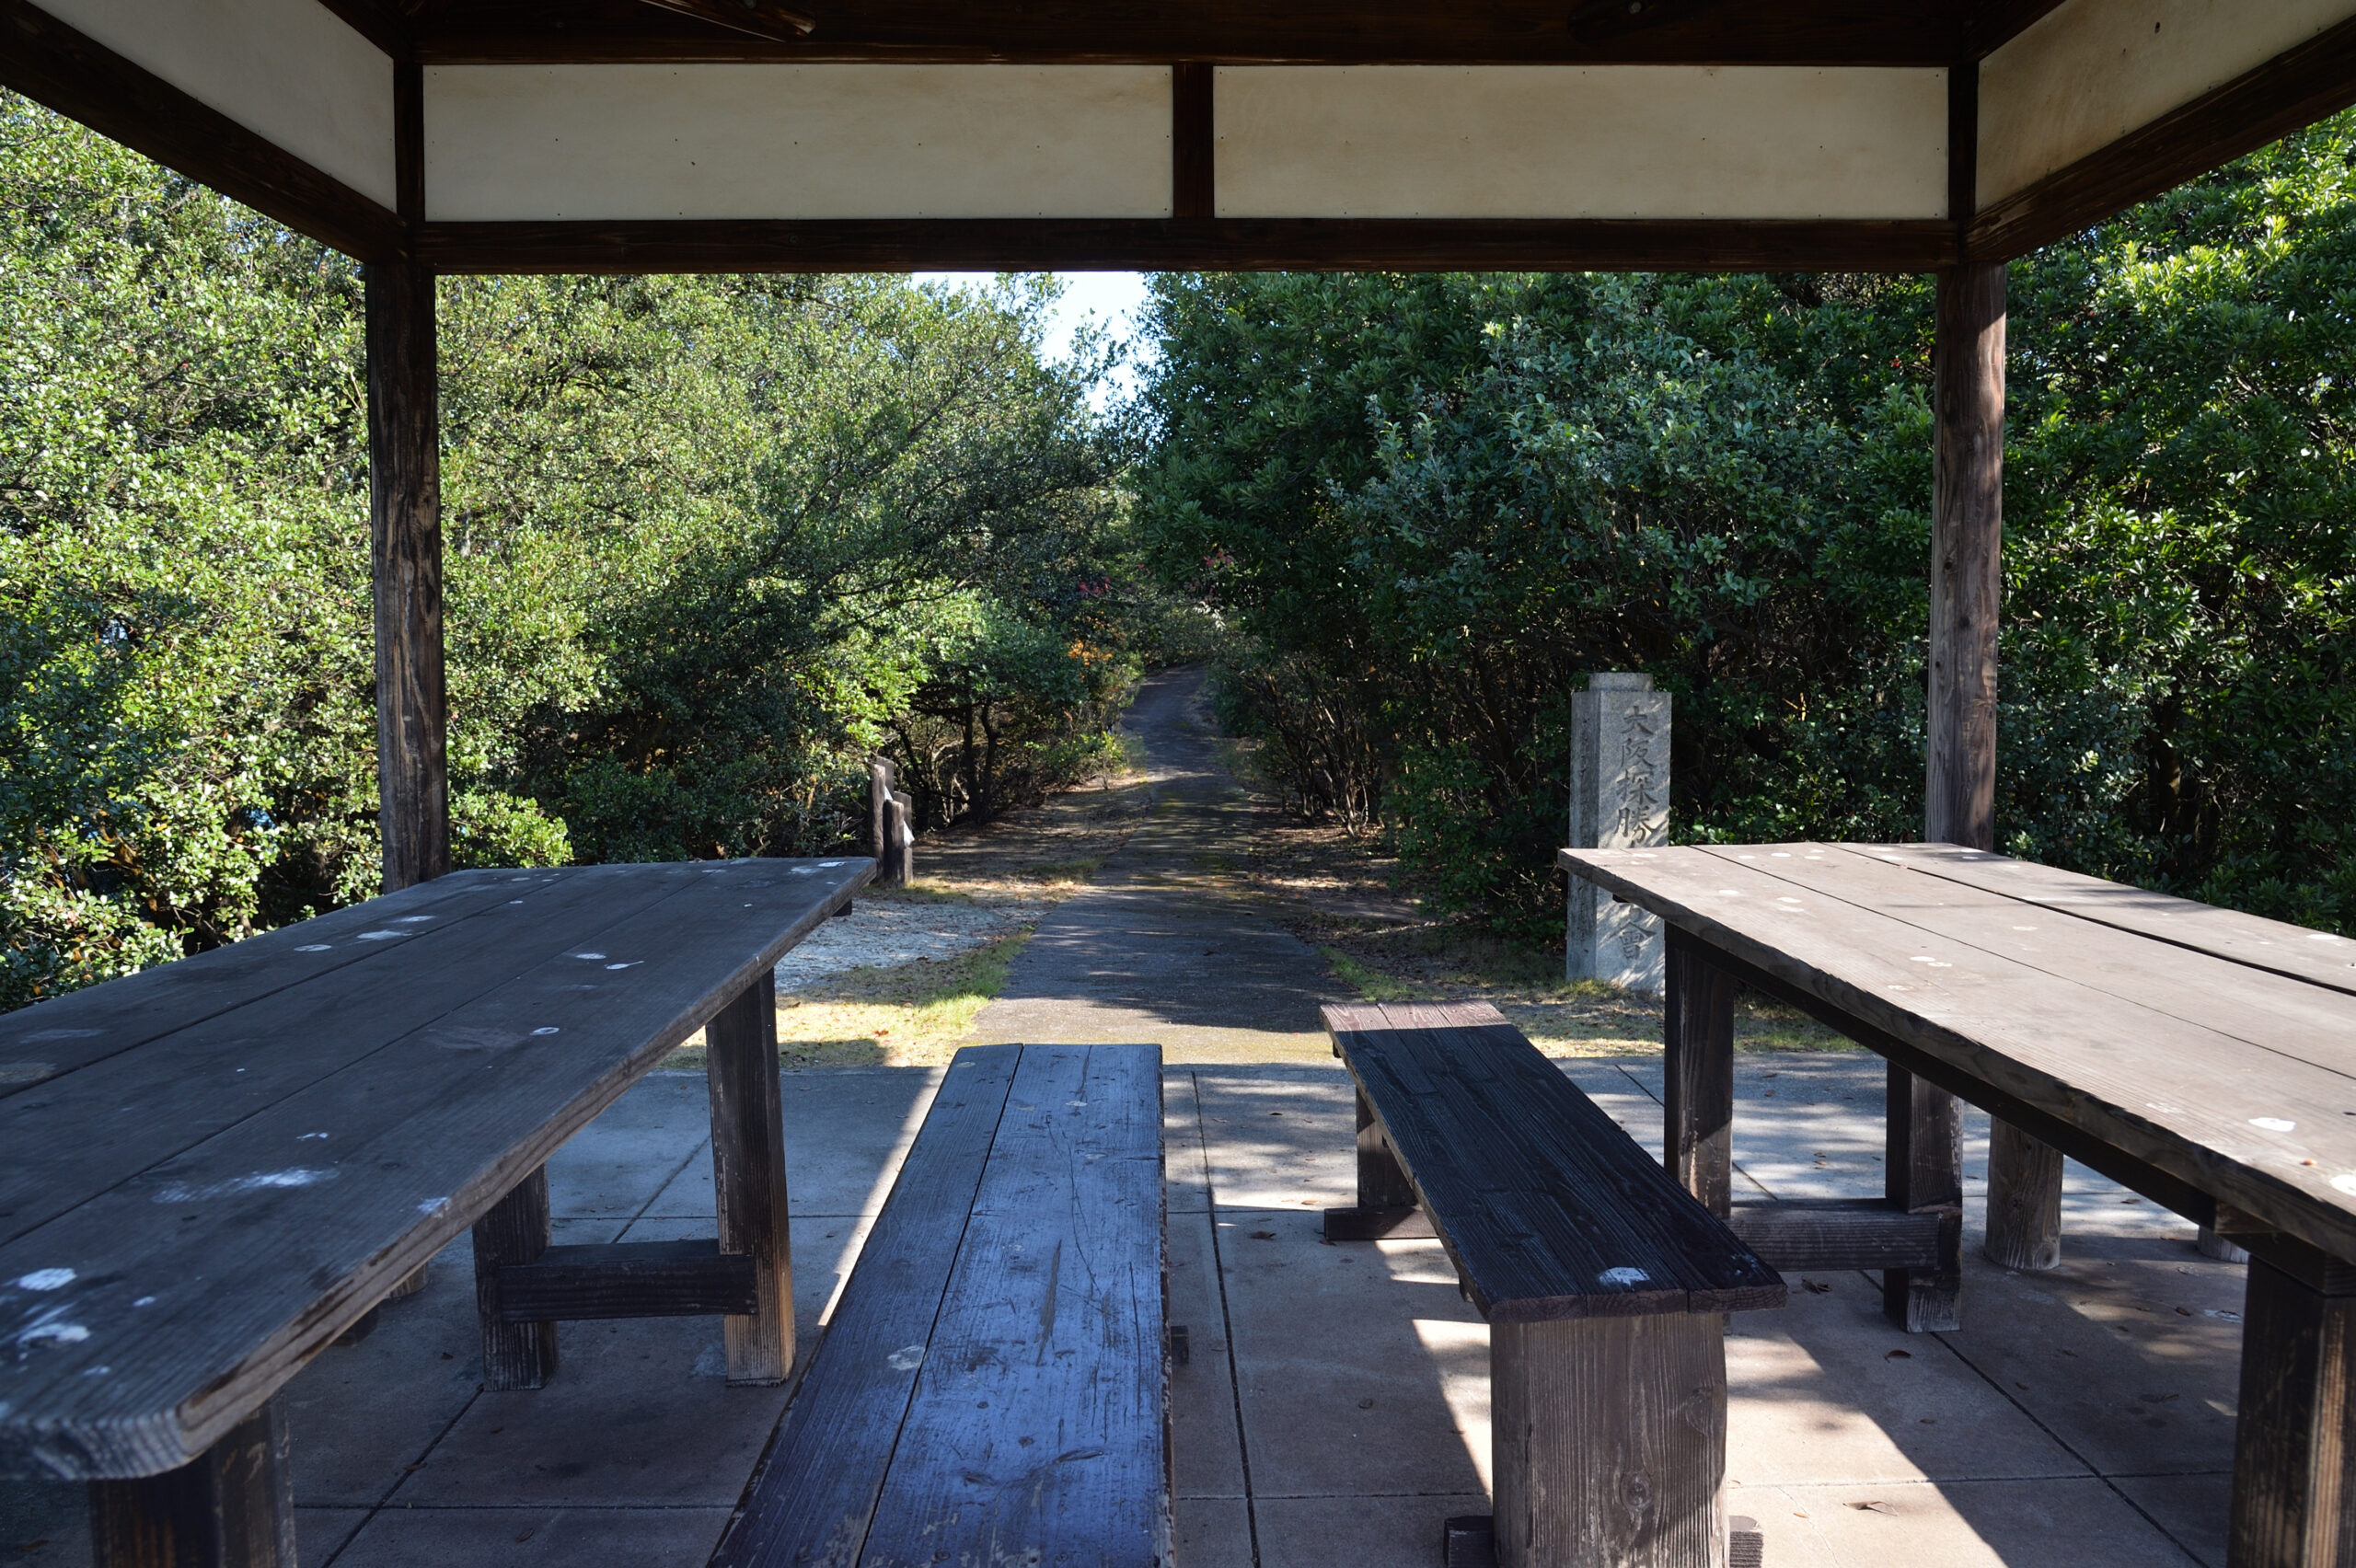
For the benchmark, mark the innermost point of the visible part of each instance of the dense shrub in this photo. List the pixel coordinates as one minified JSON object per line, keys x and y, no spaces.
{"x":1430,"y":506}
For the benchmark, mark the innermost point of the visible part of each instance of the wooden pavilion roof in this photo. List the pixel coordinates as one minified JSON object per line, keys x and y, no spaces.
{"x":514,"y":135}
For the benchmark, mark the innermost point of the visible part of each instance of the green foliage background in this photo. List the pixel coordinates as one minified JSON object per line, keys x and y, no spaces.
{"x":708,"y":543}
{"x":1427,"y":506}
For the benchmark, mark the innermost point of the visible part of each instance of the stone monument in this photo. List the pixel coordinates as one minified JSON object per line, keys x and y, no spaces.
{"x":1618,"y":801}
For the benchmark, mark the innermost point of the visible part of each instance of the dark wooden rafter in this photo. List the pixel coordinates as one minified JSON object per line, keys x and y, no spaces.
{"x":1406,"y":245}
{"x":1716,"y":32}
{"x":68,"y":70}
{"x":1194,"y":186}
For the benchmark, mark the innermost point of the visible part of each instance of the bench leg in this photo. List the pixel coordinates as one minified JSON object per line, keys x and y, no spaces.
{"x":514,"y":1356}
{"x":232,"y":1508}
{"x":1610,"y":1442}
{"x":2295,"y":1468}
{"x":1387,"y":1201}
{"x":2024,"y":1200}
{"x":1923,"y":1174}
{"x":1697,"y":1032}
{"x":748,"y":1170}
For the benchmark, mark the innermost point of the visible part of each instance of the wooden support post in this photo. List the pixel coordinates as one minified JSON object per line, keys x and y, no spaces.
{"x":900,"y":856}
{"x":514,"y":1356}
{"x":2024,"y":1200}
{"x":1610,"y":1440}
{"x":1924,"y":1175}
{"x":1698,"y":1033}
{"x":2293,"y":1489}
{"x":1966,"y":590}
{"x":232,"y":1508}
{"x":405,"y":523}
{"x":1387,"y":1202}
{"x":748,"y":1169}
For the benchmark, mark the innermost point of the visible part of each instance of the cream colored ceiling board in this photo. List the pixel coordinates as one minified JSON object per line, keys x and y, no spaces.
{"x":1580,"y":142}
{"x":768,"y":140}
{"x":286,"y":70}
{"x":2090,"y":70}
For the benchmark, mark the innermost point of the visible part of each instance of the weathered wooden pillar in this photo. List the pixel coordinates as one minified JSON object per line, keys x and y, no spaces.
{"x":514,"y":1355}
{"x":2295,"y":1468}
{"x":1697,"y":1031}
{"x":233,"y":1507}
{"x":748,"y":1176}
{"x":405,"y":524}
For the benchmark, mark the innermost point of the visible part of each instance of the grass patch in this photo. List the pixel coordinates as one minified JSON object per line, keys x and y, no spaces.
{"x":1368,"y":983}
{"x":911,"y":1015}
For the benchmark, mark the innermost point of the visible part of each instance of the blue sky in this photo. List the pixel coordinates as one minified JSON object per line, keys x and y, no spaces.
{"x":1112,"y":299}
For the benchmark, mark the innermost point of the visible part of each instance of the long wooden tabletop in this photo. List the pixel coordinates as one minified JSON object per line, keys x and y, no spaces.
{"x":213,"y":1168}
{"x":2214,"y":1047}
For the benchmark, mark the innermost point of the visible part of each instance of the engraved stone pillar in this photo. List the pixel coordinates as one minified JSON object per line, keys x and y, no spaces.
{"x":1618,"y":801}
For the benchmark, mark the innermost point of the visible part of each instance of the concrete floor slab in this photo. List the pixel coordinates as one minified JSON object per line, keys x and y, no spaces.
{"x":1344,"y":1354}
{"x":1213,"y":1530}
{"x":1207,"y":1446}
{"x":2192,"y":1509}
{"x":1361,"y":1531}
{"x":846,"y":1130}
{"x":1280,"y":1140}
{"x":2079,"y":1522}
{"x":1185,"y":1171}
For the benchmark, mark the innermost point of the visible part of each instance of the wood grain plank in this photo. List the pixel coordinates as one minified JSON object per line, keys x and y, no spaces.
{"x":813,"y":1494}
{"x":55,"y":1037}
{"x":207,"y":1280}
{"x":1826,"y":1234}
{"x":2186,"y":1102}
{"x":1545,"y":1206}
{"x":232,"y":1507}
{"x":1039,"y":1427}
{"x":2319,"y":958}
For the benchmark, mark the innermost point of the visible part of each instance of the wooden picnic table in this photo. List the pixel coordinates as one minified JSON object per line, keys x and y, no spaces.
{"x":217,"y":1166}
{"x":2202,"y":1058}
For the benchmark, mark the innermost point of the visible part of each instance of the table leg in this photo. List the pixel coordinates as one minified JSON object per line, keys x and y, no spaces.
{"x":1697,"y":1035}
{"x":2294,"y":1469}
{"x":1923,"y":1174}
{"x":514,"y":1356}
{"x":1611,"y":1442}
{"x":748,"y":1170}
{"x":2024,"y":1200}
{"x":233,"y":1507}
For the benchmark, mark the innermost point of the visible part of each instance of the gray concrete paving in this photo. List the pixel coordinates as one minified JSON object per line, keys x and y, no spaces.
{"x":1335,"y":1409}
{"x":1139,"y":955}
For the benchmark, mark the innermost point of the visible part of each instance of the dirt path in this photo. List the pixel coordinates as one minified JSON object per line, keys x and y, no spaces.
{"x":1157,"y":948}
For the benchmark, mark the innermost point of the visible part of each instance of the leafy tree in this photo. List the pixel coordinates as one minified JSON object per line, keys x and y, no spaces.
{"x":1430,"y":506}
{"x":708,"y":543}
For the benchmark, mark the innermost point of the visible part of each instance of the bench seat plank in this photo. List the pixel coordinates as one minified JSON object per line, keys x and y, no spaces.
{"x":1039,"y":1419}
{"x":171,"y":1304}
{"x":813,"y":1494}
{"x":1548,"y":1209}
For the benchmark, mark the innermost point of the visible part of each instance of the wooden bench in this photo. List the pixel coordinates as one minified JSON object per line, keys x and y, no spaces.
{"x":992,"y":1385}
{"x":216,"y":1168}
{"x":1603,"y":1282}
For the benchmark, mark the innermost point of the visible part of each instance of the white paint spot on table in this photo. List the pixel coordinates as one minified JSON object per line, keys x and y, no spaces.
{"x":50,"y":1332}
{"x":434,"y":1205}
{"x":412,"y":919}
{"x":259,"y":1181}
{"x":2345,"y":1183}
{"x":907,"y":1358}
{"x":314,"y":947}
{"x":379,"y":935}
{"x":634,"y":964}
{"x":95,"y":1371}
{"x":830,"y":865}
{"x":545,"y":1029}
{"x":144,"y":1301}
{"x":1624,"y":1276}
{"x":45,"y":1279}
{"x":306,"y":1137}
{"x":1926,"y":958}
{"x":64,"y":1034}
{"x":2272,"y":1124}
{"x":2323,"y":937}
{"x":593,"y":956}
